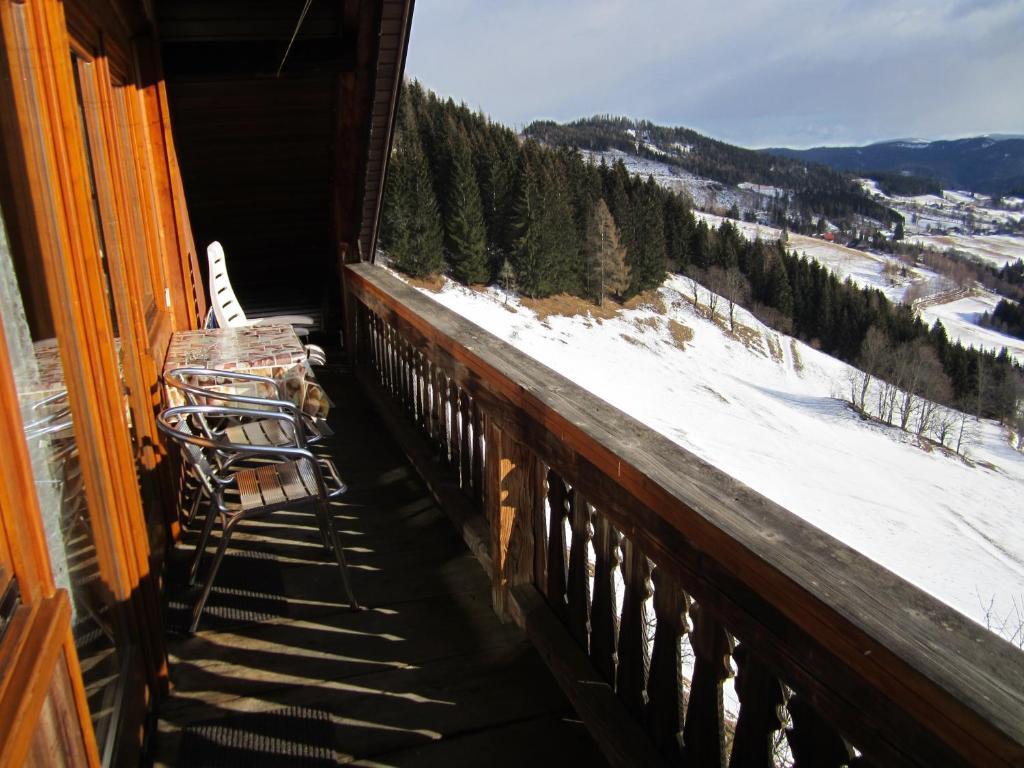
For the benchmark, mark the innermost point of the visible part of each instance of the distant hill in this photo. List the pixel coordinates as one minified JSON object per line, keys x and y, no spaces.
{"x":815,"y":189}
{"x":990,"y":164}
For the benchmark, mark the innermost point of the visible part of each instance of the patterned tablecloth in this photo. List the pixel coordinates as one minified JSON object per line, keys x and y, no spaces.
{"x":50,"y":380}
{"x":264,"y":350}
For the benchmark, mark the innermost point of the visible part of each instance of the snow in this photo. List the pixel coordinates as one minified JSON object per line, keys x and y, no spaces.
{"x":949,"y":527}
{"x":960,"y":319}
{"x":997,"y":250}
{"x":865,"y":269}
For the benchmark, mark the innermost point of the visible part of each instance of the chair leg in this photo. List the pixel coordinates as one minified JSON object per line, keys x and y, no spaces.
{"x":339,"y":555}
{"x":222,"y":547}
{"x":194,"y":508}
{"x":204,"y":538}
{"x":323,"y":521}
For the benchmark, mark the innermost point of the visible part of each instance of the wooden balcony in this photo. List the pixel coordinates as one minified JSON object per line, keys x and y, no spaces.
{"x":644,"y":579}
{"x":281,"y":672}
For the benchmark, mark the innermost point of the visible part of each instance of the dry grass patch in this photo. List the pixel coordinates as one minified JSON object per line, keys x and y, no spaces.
{"x":432,"y":283}
{"x":798,"y":363}
{"x":647,"y":300}
{"x":644,"y":324}
{"x":567,"y":305}
{"x":681,"y":334}
{"x":632,"y":339}
{"x":774,"y":346}
{"x":749,"y":337}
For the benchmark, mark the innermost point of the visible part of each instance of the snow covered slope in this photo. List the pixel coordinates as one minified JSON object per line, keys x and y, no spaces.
{"x":765,"y":410}
{"x":867,"y":270}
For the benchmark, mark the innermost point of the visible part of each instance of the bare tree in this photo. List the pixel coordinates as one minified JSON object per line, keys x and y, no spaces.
{"x":874,"y":358}
{"x":945,"y":424}
{"x":967,"y":429}
{"x":715,"y":282}
{"x":935,"y":389}
{"x":917,"y":369}
{"x":736,"y":290}
{"x":694,"y":279}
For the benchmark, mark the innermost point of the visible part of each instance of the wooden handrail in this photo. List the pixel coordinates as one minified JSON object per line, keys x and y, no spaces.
{"x":903,"y":677}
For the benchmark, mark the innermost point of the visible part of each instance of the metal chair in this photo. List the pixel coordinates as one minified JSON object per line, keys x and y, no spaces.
{"x":288,"y":476}
{"x":207,"y":386}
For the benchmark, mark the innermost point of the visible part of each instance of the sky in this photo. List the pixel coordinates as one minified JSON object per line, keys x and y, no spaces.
{"x":757,"y":73}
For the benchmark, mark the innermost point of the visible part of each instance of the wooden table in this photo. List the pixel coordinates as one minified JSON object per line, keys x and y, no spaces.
{"x":264,"y":350}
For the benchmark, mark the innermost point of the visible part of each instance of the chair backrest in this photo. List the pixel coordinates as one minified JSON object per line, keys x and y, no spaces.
{"x":194,"y":455}
{"x":226,"y":309}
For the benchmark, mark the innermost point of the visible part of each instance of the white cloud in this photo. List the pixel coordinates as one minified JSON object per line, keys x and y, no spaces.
{"x":789,"y":72}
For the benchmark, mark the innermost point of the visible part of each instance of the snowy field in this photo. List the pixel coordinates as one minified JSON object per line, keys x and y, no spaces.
{"x":865,"y":269}
{"x":774,"y":422}
{"x":997,"y":250}
{"x":960,"y":319}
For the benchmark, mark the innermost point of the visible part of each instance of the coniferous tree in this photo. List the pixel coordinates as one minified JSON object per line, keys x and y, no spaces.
{"x":606,"y":258}
{"x":528,"y":259}
{"x":678,"y":232}
{"x":645,"y":243}
{"x":416,"y":240}
{"x":466,"y":232}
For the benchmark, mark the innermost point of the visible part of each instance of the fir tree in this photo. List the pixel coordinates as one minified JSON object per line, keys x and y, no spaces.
{"x":466,"y":232}
{"x":416,"y":238}
{"x":606,"y":258}
{"x":646,"y":241}
{"x":528,"y":259}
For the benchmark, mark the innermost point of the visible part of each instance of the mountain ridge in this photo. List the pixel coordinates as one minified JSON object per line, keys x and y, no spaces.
{"x":993,"y":164}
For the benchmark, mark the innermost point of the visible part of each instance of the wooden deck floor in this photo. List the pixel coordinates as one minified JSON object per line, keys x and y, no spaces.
{"x":283,"y":673}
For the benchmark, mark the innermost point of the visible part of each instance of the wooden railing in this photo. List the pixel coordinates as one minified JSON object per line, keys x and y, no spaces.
{"x":671,"y":577}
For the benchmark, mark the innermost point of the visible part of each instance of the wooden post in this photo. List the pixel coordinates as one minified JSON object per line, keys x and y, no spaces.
{"x":514,"y":496}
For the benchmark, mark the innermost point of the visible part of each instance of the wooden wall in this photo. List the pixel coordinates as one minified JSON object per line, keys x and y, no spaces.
{"x":256,"y":150}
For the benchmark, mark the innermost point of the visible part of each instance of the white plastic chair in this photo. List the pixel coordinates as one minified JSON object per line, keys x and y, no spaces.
{"x":224,"y":303}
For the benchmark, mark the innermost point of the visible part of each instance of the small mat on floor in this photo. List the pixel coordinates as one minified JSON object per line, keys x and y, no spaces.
{"x":294,"y":736}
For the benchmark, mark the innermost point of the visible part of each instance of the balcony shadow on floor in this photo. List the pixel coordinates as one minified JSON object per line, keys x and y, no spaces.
{"x":282,"y":672}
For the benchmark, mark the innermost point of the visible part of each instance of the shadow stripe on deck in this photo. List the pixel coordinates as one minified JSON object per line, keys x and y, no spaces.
{"x":281,"y":672}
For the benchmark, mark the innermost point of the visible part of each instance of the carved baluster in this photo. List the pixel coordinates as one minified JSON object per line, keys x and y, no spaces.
{"x":540,"y":529}
{"x":478,"y":458}
{"x":603,"y":619}
{"x":664,"y":689}
{"x":465,"y":440}
{"x":440,"y":400}
{"x":392,"y":361}
{"x":453,"y":427}
{"x":813,"y":741}
{"x":427,"y":382}
{"x":385,"y":354}
{"x":375,"y":336}
{"x":760,"y":718}
{"x":555,"y":583}
{"x":414,"y":385}
{"x":631,"y":677}
{"x":704,"y":732}
{"x":424,"y":401}
{"x":578,"y":587}
{"x":407,"y":370}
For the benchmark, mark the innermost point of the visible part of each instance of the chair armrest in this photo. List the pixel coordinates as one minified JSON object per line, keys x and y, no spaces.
{"x":232,"y":452}
{"x":283,"y":320}
{"x":281,"y":401}
{"x":338,"y":486}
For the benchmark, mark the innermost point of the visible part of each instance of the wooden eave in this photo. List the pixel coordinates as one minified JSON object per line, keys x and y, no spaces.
{"x":395,"y":26}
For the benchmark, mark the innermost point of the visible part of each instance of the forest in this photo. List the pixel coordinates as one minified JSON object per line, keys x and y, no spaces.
{"x":469,"y":198}
{"x":817,"y":190}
